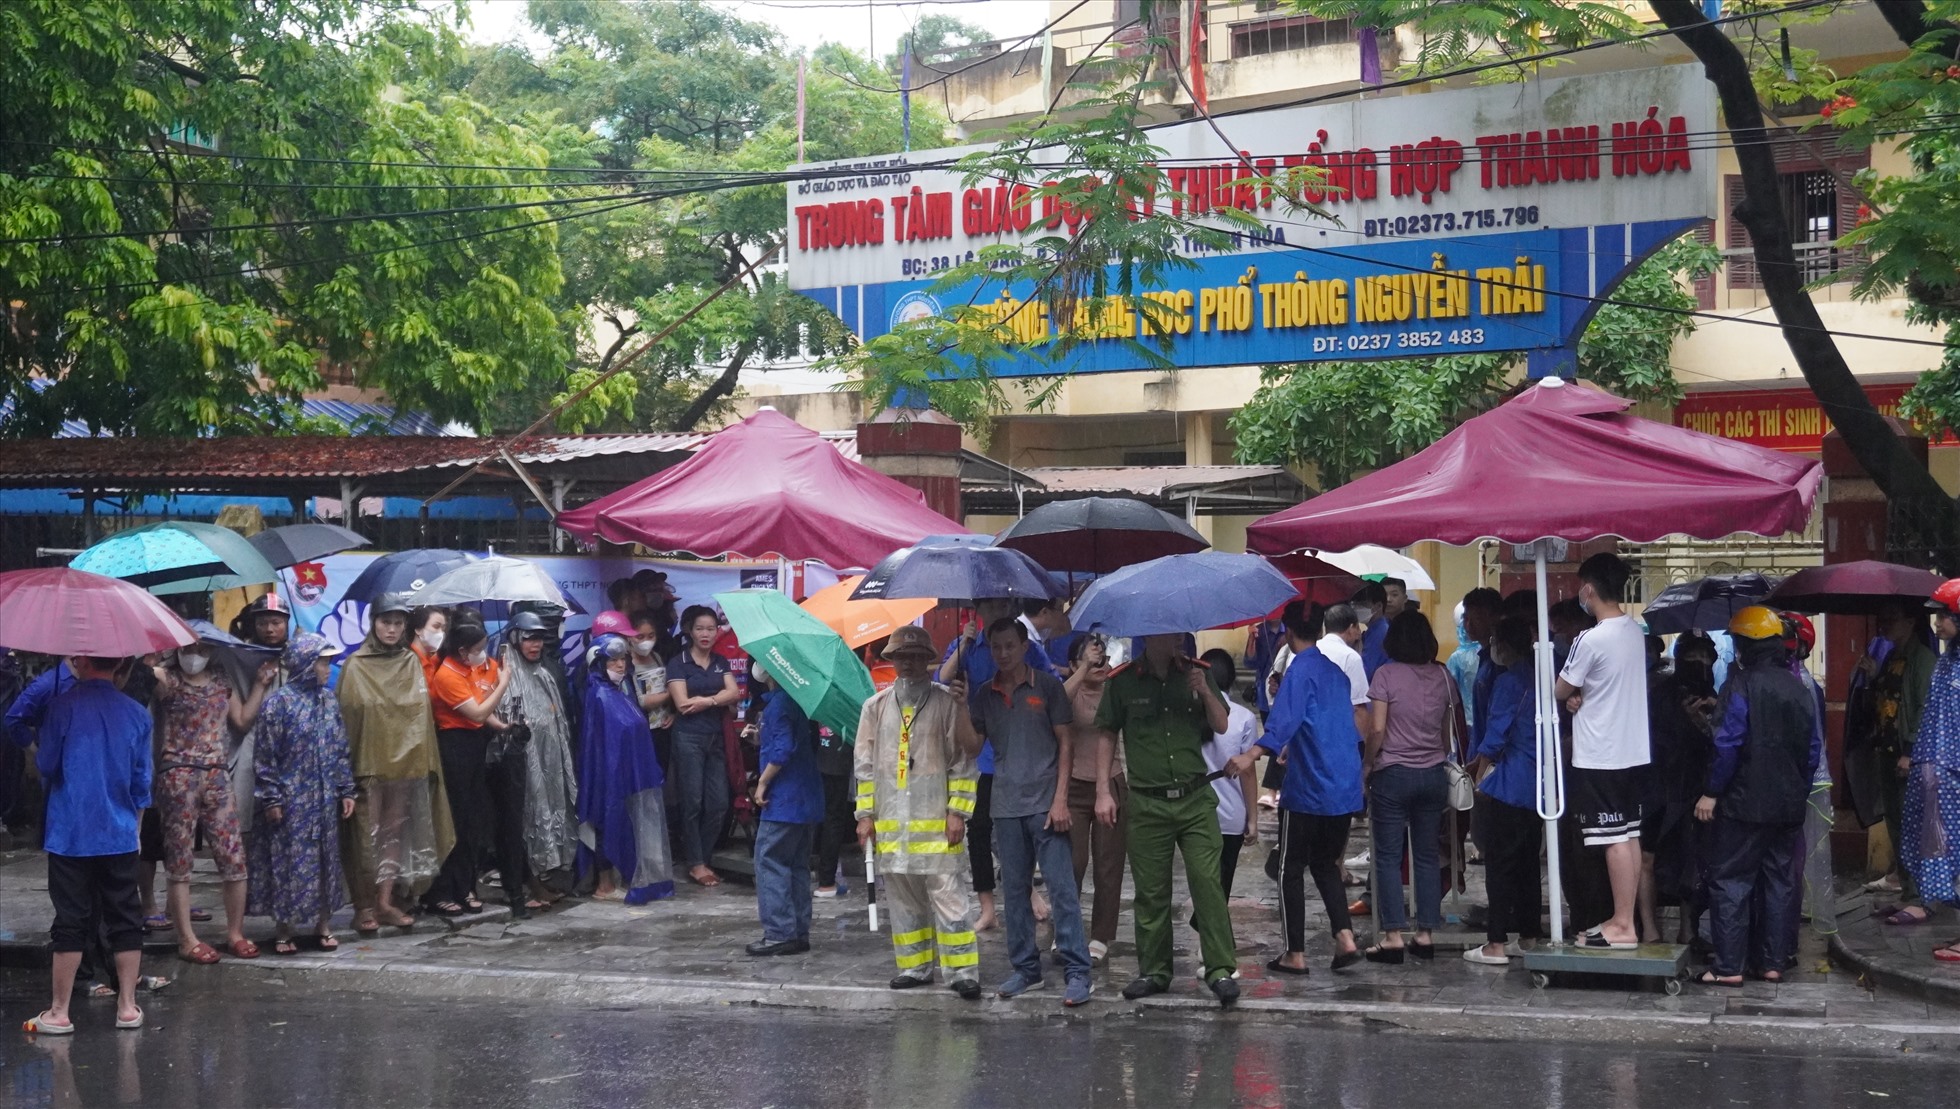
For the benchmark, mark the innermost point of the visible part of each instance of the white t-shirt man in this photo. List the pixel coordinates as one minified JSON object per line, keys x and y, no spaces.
{"x":1241,"y":732}
{"x":1349,"y":660}
{"x":1608,"y":665}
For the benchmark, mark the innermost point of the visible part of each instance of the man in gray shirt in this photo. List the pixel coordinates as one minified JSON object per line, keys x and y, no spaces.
{"x":1024,"y":711}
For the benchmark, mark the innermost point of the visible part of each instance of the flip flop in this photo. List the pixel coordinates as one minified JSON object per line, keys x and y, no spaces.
{"x":473,"y":904}
{"x":284,"y":947}
{"x":42,"y":1026}
{"x":156,"y":922}
{"x":201,"y":916}
{"x":203,"y":954}
{"x":132,"y":1023}
{"x":1948,"y":954}
{"x":398,"y":920}
{"x":1598,"y":942}
{"x":1709,"y":978}
{"x":1278,"y":967}
{"x":367,"y":925}
{"x":1906,"y":918}
{"x":327,"y":943}
{"x":243,"y":949}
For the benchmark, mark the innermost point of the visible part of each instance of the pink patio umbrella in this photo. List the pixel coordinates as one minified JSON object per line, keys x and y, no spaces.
{"x":765,"y":487}
{"x":1557,"y":462}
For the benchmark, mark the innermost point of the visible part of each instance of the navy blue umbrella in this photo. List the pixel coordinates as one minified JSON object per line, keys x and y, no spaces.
{"x":403,"y":572}
{"x":1182,"y":593}
{"x":955,"y":569}
{"x":1705,"y":604}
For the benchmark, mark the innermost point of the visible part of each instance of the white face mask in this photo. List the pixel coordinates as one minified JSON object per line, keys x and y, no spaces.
{"x":616,"y":672}
{"x":1363,"y":614}
{"x":192,"y":664}
{"x":430,"y":638}
{"x":478,"y":656}
{"x":644,"y":646}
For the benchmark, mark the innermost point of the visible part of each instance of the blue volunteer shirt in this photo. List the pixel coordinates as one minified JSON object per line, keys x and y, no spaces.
{"x":788,"y":740}
{"x":980,"y":669}
{"x":1510,"y":741}
{"x":1313,"y":722}
{"x":25,"y":715}
{"x":95,"y":757}
{"x":1374,"y":651}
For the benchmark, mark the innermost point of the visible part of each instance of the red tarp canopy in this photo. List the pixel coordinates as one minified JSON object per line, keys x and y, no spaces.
{"x":766,"y":486}
{"x":1557,"y":461}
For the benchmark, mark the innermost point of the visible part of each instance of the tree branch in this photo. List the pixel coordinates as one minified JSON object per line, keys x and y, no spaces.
{"x":1869,"y":436}
{"x":1907,"y":19}
{"x":717,"y":390}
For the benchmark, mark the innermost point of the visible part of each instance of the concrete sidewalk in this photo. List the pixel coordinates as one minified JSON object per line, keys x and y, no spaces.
{"x":688,"y":951}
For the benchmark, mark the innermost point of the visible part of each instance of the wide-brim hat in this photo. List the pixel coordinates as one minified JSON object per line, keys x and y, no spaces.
{"x":910,"y":639}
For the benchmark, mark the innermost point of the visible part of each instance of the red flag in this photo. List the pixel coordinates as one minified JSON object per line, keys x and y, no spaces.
{"x":1198,"y":94}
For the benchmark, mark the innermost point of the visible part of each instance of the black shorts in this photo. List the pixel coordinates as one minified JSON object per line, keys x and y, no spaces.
{"x":1609,"y":804}
{"x":91,"y":893}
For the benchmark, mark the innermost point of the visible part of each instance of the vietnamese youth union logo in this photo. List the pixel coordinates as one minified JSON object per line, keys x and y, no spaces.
{"x":913,"y":306}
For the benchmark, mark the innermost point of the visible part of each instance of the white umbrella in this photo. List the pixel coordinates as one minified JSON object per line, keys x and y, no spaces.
{"x":1370,"y":561}
{"x":495,"y":578}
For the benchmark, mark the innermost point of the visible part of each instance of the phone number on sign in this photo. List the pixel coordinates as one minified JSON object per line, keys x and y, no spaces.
{"x":1401,"y":340}
{"x":1430,"y":223}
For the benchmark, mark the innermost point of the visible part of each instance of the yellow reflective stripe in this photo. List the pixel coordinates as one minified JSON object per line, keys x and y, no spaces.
{"x":907,"y":962}
{"x":885,"y":826}
{"x":961,"y":805}
{"x":925,"y":825}
{"x":931,"y":847}
{"x":902,"y":938}
{"x":887,"y":847}
{"x":867,"y":788}
{"x":966,"y":959}
{"x":963,"y":785}
{"x":955,"y":939}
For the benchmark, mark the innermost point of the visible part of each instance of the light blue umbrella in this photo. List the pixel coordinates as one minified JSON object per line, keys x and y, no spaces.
{"x":178,"y":556}
{"x":1182,"y":593}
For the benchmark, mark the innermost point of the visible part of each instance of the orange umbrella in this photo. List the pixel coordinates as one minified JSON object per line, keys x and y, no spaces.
{"x":860,"y":622}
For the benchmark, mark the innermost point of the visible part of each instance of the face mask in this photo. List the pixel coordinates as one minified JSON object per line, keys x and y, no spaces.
{"x":1585,"y":603}
{"x":644,"y":646}
{"x":192,"y":664}
{"x":615,"y":672}
{"x":430,"y":639}
{"x":478,"y":656}
{"x":1363,"y":614}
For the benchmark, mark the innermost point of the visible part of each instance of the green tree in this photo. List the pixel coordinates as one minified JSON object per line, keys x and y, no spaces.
{"x":1345,"y":417}
{"x":203,"y":203}
{"x":938,"y":39}
{"x":1745,"y":70}
{"x":680,"y":98}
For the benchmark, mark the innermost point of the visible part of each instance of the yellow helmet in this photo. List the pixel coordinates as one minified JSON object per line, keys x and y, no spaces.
{"x":1756,"y":622}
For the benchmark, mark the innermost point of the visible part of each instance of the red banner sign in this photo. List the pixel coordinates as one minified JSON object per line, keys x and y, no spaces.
{"x":1782,"y":419}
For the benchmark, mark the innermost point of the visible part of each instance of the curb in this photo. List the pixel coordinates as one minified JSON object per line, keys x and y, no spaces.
{"x":1698,"y":1031}
{"x":1894,"y":973}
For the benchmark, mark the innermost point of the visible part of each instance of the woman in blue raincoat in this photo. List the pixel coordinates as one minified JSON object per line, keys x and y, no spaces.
{"x":622,"y":813}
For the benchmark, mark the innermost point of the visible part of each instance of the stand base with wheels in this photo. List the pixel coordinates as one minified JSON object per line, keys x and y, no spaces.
{"x":1666,"y":961}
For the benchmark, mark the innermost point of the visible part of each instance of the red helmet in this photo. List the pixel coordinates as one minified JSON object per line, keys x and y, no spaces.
{"x":1803,"y":631}
{"x":1946,"y":598}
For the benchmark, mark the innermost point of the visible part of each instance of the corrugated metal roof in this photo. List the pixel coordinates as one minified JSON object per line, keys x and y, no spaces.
{"x":846,"y":443}
{"x":563,"y":448}
{"x":360,"y":417}
{"x":1147,"y":481}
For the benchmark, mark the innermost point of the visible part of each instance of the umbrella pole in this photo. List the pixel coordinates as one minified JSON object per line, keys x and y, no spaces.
{"x":1551,"y":771}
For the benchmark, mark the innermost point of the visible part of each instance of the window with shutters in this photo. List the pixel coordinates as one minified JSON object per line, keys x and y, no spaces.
{"x":1814,"y":171}
{"x":1704,"y":234}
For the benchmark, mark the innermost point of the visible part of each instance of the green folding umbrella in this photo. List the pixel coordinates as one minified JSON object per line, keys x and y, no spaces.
{"x":811,"y":662}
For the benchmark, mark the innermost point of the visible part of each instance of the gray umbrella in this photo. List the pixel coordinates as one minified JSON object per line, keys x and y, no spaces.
{"x":296,"y":543}
{"x":495,"y":578}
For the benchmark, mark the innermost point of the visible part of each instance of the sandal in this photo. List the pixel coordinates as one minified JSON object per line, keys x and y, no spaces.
{"x":1710,"y":978}
{"x":472,"y":903}
{"x":243,"y":949}
{"x":366,"y":924}
{"x":1390,"y":955}
{"x":203,"y":954}
{"x":537,"y":906}
{"x":43,"y":1026}
{"x":443,"y":908}
{"x":1948,"y":954}
{"x":395,"y":918}
{"x":1908,"y":916}
{"x":327,"y":941}
{"x":156,"y":922}
{"x":1278,"y":967}
{"x":704,"y":877}
{"x":285,"y":947}
{"x":201,"y":916}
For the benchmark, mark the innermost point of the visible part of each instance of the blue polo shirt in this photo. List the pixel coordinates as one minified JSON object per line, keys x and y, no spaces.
{"x":95,"y":757}
{"x":1374,"y":646}
{"x":1510,"y":736}
{"x":1313,"y":722}
{"x":789,"y":740}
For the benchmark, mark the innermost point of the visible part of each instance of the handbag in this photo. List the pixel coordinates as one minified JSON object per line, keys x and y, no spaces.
{"x":1463,"y":791}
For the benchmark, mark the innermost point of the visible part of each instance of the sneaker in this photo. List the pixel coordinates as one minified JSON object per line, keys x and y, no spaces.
{"x":1358,"y":862}
{"x":1142,"y":988}
{"x":1019,"y":984}
{"x":1479,"y":956}
{"x":824,"y":891}
{"x":1077,"y":993}
{"x":1098,"y":951}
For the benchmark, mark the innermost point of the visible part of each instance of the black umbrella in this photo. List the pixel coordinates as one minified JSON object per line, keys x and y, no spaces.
{"x":403,"y":572}
{"x":1705,"y":604}
{"x":297,"y":543}
{"x":955,"y":569}
{"x":1096,"y":535}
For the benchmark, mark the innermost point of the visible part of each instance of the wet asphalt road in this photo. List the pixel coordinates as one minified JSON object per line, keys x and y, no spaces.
{"x":213,"y":1046}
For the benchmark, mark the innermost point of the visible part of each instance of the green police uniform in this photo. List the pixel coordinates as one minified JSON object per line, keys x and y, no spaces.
{"x":1172,"y":807}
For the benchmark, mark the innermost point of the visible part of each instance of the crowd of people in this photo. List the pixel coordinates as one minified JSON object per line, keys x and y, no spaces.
{"x":992,"y":780}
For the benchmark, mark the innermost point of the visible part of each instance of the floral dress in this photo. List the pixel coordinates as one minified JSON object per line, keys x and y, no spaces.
{"x":193,"y":784}
{"x":302,"y":767}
